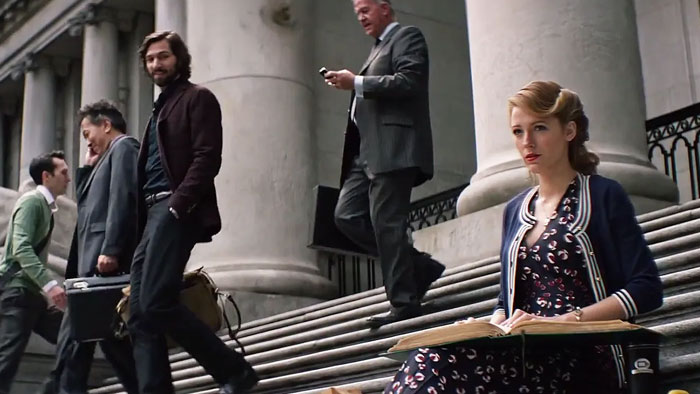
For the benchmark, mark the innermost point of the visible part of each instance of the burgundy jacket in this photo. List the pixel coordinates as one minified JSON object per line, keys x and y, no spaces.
{"x":189,"y":141}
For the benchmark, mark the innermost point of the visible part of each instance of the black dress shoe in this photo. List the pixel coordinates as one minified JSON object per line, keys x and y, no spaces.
{"x":428,"y":270}
{"x":393,"y":316}
{"x":240,"y":383}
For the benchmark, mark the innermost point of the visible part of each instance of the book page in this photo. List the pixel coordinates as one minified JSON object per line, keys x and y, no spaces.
{"x":565,"y":327}
{"x":448,"y":334}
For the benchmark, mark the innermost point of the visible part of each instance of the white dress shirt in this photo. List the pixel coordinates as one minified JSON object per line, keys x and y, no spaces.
{"x":54,"y":208}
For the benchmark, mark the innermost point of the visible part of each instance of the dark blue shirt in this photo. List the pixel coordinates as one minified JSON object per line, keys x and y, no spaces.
{"x":156,"y":179}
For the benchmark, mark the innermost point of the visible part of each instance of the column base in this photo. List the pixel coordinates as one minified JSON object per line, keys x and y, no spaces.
{"x":270,"y":278}
{"x":648,"y":188}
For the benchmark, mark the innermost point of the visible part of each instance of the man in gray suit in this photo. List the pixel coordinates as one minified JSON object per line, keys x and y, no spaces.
{"x":104,"y":240}
{"x":388,"y":151}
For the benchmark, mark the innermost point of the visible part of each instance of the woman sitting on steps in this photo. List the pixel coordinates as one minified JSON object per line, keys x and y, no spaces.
{"x":571,"y":250}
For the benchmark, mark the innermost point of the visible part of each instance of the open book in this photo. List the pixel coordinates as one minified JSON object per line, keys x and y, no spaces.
{"x":474,"y":329}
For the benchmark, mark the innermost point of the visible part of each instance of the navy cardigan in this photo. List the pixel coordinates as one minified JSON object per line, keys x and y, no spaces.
{"x":618,"y":258}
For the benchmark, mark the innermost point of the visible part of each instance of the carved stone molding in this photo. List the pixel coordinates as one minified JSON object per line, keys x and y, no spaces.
{"x":91,"y":15}
{"x":29,"y":63}
{"x":13,"y":13}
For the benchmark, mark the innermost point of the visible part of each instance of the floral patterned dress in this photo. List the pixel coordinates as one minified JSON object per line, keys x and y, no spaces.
{"x":551,"y":280}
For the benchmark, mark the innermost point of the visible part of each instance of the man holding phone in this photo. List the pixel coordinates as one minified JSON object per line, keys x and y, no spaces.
{"x":388,"y":151}
{"x":104,"y":239}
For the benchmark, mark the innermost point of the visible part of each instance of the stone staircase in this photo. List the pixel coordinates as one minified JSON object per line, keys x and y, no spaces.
{"x":329,"y":344}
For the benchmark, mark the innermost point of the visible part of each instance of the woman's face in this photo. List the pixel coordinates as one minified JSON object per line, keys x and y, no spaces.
{"x":542,"y":142}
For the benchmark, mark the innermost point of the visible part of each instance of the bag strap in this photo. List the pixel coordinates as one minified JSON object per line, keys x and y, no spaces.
{"x":231,"y":332}
{"x":226,"y":297}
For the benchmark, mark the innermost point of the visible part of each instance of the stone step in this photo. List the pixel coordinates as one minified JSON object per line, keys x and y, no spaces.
{"x":309,"y":345}
{"x":689,"y":327}
{"x":302,"y":321}
{"x":670,"y":220}
{"x":194,"y":379}
{"x":672,"y":210}
{"x":458,"y":288}
{"x":673,"y":232}
{"x":663,"y":241}
{"x":685,"y":328}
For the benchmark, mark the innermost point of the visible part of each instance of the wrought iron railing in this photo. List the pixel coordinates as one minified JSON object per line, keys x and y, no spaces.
{"x":354,"y":273}
{"x":673,"y":146}
{"x":434,"y":209}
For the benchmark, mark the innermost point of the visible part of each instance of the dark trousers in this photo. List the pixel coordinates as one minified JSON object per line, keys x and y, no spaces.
{"x":74,"y":359}
{"x":372,"y":211}
{"x":21,"y":312}
{"x":156,"y":280}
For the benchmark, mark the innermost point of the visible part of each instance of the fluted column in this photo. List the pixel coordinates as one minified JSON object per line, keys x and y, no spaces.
{"x":71,"y":104}
{"x":589,"y":46}
{"x":265,"y":183}
{"x":38,"y":112}
{"x":3,"y":159}
{"x":172,"y":15}
{"x":100,"y":59}
{"x":140,"y":86}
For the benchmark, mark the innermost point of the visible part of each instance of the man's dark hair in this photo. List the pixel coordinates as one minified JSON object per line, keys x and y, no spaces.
{"x":97,"y":112}
{"x":178,"y":48}
{"x":44,"y":163}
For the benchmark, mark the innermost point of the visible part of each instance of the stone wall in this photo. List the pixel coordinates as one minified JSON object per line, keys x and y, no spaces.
{"x":669,"y":43}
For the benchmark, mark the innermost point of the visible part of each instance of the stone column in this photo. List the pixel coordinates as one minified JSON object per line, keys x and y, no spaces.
{"x":100,"y":59}
{"x":38,"y":112}
{"x":589,"y":46}
{"x":261,"y":74}
{"x":3,"y":136}
{"x":71,"y":104}
{"x":15,"y":142}
{"x":172,"y":15}
{"x":140,"y":86}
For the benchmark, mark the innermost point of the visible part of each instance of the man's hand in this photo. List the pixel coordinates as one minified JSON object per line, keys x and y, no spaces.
{"x":342,"y":79}
{"x":91,"y":156}
{"x":107,"y":264}
{"x":58,"y":296}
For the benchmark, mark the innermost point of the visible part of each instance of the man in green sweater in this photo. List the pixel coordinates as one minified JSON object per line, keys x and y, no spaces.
{"x":24,"y":277}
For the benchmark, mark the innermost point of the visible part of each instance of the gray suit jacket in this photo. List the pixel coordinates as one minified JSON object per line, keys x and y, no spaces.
{"x":107,"y":210}
{"x":393,"y":117}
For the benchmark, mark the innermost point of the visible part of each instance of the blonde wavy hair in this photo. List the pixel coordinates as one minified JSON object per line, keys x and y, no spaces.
{"x":548,"y":99}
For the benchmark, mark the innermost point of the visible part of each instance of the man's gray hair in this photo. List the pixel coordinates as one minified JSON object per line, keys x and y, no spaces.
{"x":384,"y":2}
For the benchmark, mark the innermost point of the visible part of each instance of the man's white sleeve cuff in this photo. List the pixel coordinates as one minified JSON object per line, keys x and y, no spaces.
{"x":358,"y":86}
{"x":49,"y":286}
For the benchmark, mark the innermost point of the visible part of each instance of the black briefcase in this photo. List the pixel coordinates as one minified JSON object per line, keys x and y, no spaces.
{"x":92,"y":306}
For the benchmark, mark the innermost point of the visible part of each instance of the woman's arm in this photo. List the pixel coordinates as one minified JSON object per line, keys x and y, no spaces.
{"x":642,"y":290}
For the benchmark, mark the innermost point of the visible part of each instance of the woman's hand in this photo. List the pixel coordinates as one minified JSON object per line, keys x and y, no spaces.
{"x":518,"y":316}
{"x":497,"y":318}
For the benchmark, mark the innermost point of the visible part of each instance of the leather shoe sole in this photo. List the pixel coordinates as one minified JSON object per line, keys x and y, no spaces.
{"x":393,"y":317}
{"x":242,"y":383}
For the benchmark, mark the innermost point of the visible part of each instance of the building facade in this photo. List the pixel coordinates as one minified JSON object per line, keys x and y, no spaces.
{"x":630,"y":60}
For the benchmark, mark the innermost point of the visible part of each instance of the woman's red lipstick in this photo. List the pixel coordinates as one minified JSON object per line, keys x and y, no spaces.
{"x":531,"y":157}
